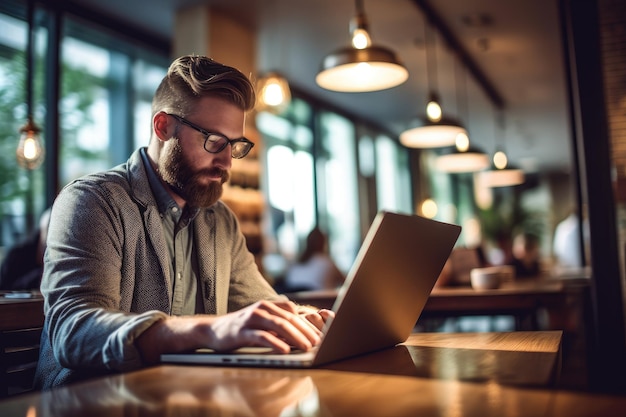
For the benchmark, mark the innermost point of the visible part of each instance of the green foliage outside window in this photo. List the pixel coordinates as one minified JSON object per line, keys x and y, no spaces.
{"x":13,"y":184}
{"x":78,"y":89}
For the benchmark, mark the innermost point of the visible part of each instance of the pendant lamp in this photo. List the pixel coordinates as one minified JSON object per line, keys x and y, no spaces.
{"x":273,"y":93}
{"x":30,"y":152}
{"x":501,"y":174}
{"x":463,"y":157}
{"x":434,"y":130}
{"x":363,"y":67}
{"x":454,"y":161}
{"x":506,"y":177}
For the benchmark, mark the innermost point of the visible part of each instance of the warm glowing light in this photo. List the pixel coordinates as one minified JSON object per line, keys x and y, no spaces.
{"x":500,"y":160}
{"x":30,"y":151}
{"x":274,"y":93}
{"x":433,"y":111}
{"x":342,"y":70}
{"x":431,"y":135}
{"x":363,"y":70}
{"x":462,"y":142}
{"x":361,"y":39}
{"x":362,"y":76}
{"x":502,"y":177}
{"x":429,"y":208}
{"x":459,"y":162}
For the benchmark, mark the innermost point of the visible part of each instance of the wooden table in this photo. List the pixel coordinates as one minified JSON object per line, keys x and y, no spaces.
{"x":521,"y":299}
{"x":20,"y":313}
{"x":430,"y":375}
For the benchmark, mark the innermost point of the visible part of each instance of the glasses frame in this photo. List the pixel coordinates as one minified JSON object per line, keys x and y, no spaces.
{"x":208,"y":134}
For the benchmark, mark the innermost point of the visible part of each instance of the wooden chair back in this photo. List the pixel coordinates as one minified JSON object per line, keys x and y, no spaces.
{"x":21,"y":324}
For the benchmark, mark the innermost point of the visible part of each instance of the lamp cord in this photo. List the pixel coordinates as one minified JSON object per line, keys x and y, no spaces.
{"x":461,"y":93}
{"x":431,"y":64}
{"x":30,"y":58}
{"x":360,"y":9}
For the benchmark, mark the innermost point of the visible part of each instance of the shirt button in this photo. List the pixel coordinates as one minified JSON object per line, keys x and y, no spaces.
{"x":175,"y":209}
{"x":179,"y":275}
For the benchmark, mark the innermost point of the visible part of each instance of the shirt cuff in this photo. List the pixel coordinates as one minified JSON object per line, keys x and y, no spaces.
{"x":120,"y":353}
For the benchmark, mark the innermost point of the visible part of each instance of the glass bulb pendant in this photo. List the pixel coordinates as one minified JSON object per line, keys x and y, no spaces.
{"x":30,"y":151}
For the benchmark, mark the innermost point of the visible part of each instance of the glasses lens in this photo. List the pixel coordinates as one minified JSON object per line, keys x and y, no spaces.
{"x":215,"y":143}
{"x":241,"y":149}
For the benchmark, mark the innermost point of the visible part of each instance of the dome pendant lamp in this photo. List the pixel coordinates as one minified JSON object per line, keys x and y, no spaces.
{"x":435,"y":130}
{"x":463,"y":157}
{"x":501,"y":174}
{"x":363,"y":67}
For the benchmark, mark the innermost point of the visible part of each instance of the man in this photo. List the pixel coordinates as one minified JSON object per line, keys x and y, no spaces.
{"x":144,"y":259}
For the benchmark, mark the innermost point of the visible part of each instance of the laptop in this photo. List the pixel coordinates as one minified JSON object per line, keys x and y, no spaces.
{"x":379,"y":304}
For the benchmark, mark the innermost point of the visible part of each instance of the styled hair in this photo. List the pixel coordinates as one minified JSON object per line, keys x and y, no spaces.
{"x":191,"y":77}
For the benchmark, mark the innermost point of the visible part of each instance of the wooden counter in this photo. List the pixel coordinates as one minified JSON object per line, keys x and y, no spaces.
{"x":442,"y":374}
{"x":20,"y":313}
{"x":522,"y":299}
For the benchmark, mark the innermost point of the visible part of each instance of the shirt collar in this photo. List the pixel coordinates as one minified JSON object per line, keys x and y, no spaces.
{"x":164,"y":200}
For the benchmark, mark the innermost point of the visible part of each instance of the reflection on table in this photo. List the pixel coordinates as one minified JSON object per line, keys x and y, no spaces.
{"x":490,"y":374}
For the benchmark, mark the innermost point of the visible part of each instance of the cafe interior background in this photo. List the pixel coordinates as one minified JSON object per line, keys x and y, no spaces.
{"x":526,"y":78}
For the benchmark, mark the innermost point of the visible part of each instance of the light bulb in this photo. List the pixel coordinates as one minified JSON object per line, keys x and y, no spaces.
{"x":500,"y":160}
{"x":361,"y":39}
{"x":433,"y":111}
{"x":30,"y":152}
{"x":462,"y":142}
{"x":429,"y":208}
{"x":358,"y":30}
{"x":274,"y":94}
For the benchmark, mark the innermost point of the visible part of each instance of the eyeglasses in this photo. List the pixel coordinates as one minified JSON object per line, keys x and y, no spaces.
{"x":216,"y":143}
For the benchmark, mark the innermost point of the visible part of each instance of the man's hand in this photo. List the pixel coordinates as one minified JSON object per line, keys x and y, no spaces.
{"x":317,"y":317}
{"x":269,"y":324}
{"x":276,"y":325}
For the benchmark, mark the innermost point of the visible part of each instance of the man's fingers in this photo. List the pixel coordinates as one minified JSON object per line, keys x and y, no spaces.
{"x":286,"y":325}
{"x":326,"y":314}
{"x":315,"y":320}
{"x":263,"y":338}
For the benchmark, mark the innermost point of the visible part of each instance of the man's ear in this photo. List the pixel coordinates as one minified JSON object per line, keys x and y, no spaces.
{"x":163,"y":126}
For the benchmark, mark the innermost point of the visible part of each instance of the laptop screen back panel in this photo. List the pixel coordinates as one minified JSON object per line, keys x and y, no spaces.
{"x":390,"y":282}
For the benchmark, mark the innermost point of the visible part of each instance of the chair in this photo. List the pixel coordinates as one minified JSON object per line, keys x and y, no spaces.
{"x":19,"y":353}
{"x":21,"y":324}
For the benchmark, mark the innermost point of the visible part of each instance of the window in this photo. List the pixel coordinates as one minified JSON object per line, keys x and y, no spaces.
{"x":312,"y":177}
{"x":393,"y":183}
{"x":290,"y":171}
{"x":21,"y":191}
{"x":106,"y":99}
{"x":337,"y":191}
{"x":106,"y":86}
{"x":84,"y":111}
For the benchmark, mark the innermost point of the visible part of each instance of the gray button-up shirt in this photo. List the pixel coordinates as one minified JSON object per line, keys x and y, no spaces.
{"x":107,"y":272}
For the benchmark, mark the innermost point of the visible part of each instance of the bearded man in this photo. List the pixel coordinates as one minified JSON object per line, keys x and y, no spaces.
{"x":144,"y":259}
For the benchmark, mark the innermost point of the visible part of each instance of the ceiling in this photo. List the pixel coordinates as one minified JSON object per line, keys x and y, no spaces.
{"x":515,"y":45}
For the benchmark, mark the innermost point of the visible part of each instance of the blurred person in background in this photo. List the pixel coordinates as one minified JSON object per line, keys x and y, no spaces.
{"x":315,"y":269}
{"x":22,"y":266}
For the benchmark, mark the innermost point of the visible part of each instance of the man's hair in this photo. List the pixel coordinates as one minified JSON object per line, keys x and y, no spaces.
{"x":191,"y":77}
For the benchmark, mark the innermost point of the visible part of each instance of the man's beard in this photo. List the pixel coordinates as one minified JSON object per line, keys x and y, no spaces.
{"x":176,"y":172}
